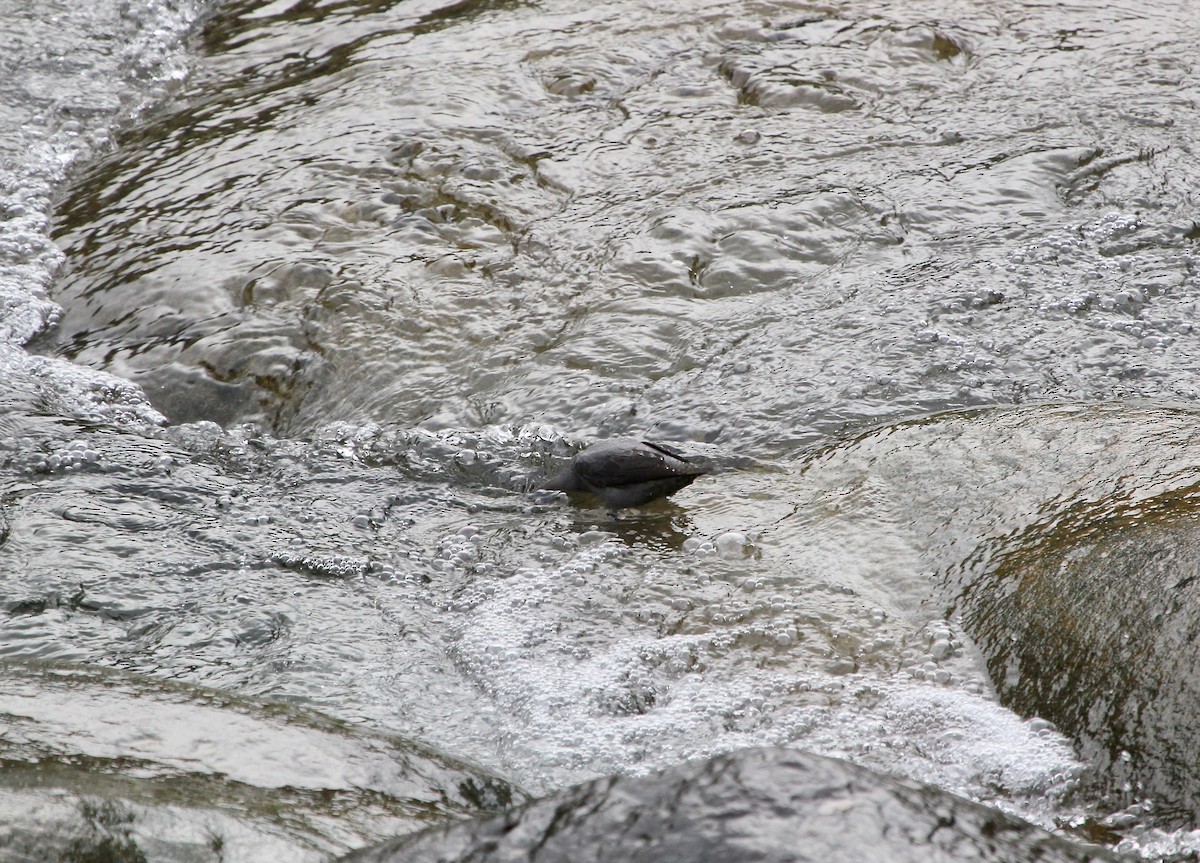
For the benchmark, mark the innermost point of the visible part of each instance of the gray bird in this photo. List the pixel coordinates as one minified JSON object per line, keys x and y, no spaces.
{"x":628,"y":472}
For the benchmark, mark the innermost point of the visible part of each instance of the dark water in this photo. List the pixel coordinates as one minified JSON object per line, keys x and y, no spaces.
{"x":920,"y":276}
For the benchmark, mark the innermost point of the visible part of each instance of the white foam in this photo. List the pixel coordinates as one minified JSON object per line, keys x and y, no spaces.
{"x":583,"y":697}
{"x":1154,"y":844}
{"x":98,"y":65}
{"x":965,"y":743}
{"x":67,"y":390}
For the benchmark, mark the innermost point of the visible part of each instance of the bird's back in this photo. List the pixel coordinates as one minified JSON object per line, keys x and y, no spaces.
{"x":630,"y":472}
{"x":626,"y":462}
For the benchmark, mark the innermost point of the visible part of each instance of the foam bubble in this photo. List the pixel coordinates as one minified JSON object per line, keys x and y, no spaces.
{"x":68,"y":390}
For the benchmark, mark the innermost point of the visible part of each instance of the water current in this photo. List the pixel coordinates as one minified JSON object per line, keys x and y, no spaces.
{"x":298,"y":300}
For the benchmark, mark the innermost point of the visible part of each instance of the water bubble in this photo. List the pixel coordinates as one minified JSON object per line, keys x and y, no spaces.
{"x":733,"y":544}
{"x":1038,"y":725}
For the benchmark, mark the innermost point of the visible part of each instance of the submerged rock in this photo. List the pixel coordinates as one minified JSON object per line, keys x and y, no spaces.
{"x":628,"y":472}
{"x":1094,"y":624}
{"x":760,"y":805}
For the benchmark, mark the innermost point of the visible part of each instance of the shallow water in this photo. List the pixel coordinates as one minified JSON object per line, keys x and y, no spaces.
{"x":752,"y":225}
{"x":331,"y":303}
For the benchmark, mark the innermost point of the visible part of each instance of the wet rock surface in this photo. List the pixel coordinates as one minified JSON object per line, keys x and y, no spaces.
{"x":97,"y":765}
{"x":1094,"y":624}
{"x":753,"y":806}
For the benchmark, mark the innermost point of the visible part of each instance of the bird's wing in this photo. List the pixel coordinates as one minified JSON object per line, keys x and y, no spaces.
{"x":629,"y":467}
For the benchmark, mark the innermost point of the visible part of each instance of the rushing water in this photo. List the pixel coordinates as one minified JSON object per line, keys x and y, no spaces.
{"x":299,"y":299}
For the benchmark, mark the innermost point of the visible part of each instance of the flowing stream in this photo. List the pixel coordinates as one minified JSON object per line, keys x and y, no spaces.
{"x":298,"y":300}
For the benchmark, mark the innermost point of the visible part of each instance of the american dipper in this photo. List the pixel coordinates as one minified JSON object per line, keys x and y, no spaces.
{"x":628,"y":472}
